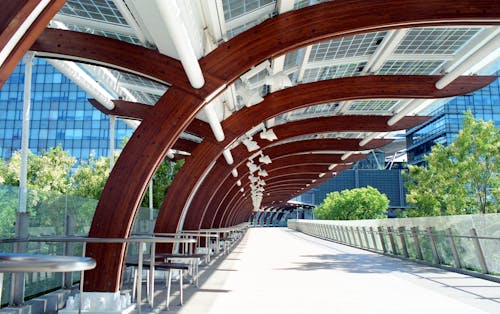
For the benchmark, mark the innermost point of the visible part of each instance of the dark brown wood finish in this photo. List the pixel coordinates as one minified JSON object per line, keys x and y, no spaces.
{"x":178,"y":107}
{"x":124,"y":109}
{"x":199,"y":165}
{"x":12,"y":16}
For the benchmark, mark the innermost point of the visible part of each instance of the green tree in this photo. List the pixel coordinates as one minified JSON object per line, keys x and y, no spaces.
{"x":162,"y":180}
{"x":360,"y":203}
{"x":461,"y":178}
{"x":90,"y":177}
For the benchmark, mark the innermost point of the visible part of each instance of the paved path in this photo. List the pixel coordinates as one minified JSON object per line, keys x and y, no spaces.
{"x":275,"y":270}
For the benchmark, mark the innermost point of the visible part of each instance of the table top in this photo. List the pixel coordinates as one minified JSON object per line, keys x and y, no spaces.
{"x":16,"y":262}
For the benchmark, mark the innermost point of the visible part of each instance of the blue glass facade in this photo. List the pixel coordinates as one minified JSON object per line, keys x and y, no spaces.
{"x":447,"y":120}
{"x":60,"y":115}
{"x":388,"y":182}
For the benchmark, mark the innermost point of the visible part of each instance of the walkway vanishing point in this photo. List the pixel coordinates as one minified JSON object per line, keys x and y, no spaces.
{"x":275,"y":270}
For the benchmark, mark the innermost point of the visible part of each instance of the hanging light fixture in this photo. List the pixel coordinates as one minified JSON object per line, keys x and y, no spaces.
{"x":252,"y":167}
{"x":265,"y":159}
{"x":268,"y":135}
{"x":250,"y":144}
{"x":263,"y":173}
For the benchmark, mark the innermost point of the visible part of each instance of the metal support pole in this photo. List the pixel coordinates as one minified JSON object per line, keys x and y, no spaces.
{"x":347,"y":235}
{"x":479,"y":251}
{"x":112,"y":123}
{"x":454,"y":249}
{"x":366,"y":237}
{"x":402,"y":232}
{"x":430,"y":233}
{"x":390,"y":232}
{"x":372,"y":232}
{"x":67,"y":278}
{"x":414,"y":234}
{"x":353,"y":236}
{"x":382,"y":240}
{"x":359,"y":236}
{"x":22,"y":218}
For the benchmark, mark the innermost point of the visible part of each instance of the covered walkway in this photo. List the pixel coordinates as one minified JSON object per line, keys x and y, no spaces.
{"x":275,"y":270}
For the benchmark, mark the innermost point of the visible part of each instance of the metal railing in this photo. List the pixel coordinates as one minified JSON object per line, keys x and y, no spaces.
{"x":466,"y":253}
{"x":76,"y":246}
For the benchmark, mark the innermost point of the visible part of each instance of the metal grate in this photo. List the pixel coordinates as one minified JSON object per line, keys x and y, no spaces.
{"x":346,"y":47}
{"x":237,"y":8}
{"x":101,"y":10}
{"x":436,"y":40}
{"x":327,"y":73}
{"x":410,"y":67}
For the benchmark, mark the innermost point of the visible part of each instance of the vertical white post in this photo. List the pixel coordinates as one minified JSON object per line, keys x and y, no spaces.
{"x":112,"y":122}
{"x":22,"y":222}
{"x":151,"y":201}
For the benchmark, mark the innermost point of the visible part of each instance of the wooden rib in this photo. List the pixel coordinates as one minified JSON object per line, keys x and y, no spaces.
{"x":149,"y":144}
{"x":197,"y":167}
{"x":300,"y":28}
{"x":124,"y":109}
{"x":128,"y":181}
{"x":12,"y":15}
{"x":119,"y":55}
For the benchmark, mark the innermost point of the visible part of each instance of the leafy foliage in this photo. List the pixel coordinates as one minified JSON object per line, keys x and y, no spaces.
{"x":461,"y":178}
{"x":161,"y":182}
{"x":361,"y":203}
{"x":90,"y":177}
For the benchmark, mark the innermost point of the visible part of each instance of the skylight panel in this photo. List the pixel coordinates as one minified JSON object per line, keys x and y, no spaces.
{"x":372,"y":106}
{"x":237,"y":8}
{"x":101,"y":10}
{"x":424,"y":67}
{"x":346,"y":47}
{"x":337,"y":71}
{"x":436,"y":40}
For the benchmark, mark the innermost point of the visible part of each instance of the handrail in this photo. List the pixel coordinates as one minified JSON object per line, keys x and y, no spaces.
{"x":397,"y":241}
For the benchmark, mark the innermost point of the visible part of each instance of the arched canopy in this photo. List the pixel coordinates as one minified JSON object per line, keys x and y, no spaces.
{"x":383,"y":79}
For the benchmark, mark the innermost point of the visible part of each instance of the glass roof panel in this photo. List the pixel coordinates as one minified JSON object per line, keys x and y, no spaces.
{"x":127,"y":38}
{"x":436,"y":40}
{"x":331,"y":72}
{"x":346,"y":47}
{"x":237,"y":8}
{"x":410,"y":67}
{"x":305,"y":3}
{"x":101,"y":10}
{"x":372,"y":106}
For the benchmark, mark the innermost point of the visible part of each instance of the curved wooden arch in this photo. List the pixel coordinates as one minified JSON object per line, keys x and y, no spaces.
{"x":235,"y":203}
{"x":178,"y":107}
{"x":12,"y":16}
{"x":229,"y":184}
{"x":282,"y":197}
{"x":221,"y":170}
{"x":197,"y":168}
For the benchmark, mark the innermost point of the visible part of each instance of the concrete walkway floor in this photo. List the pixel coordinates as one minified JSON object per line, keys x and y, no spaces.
{"x":274,"y":270}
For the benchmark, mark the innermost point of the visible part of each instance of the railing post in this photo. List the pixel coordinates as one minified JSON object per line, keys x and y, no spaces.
{"x":67,"y":278}
{"x":353,"y":236}
{"x":390,"y":232}
{"x":454,"y":249}
{"x":382,"y":240}
{"x":414,"y":233}
{"x":402,"y":232}
{"x":343,"y":238}
{"x":347,"y":234}
{"x":359,"y":236}
{"x":372,"y":232}
{"x":366,"y":237}
{"x":479,"y":251}
{"x":437,"y":260}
